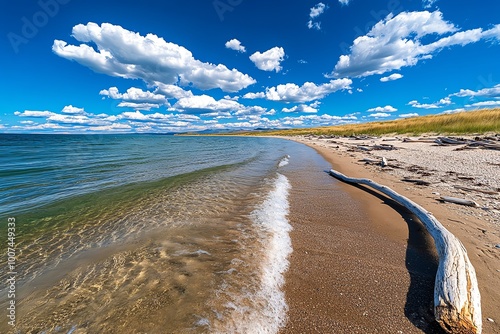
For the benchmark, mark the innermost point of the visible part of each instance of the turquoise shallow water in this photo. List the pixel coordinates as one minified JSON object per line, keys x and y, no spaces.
{"x":145,"y":233}
{"x":40,"y":169}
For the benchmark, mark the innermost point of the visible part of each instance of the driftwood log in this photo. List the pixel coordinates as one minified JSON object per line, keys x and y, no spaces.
{"x":489,"y":192}
{"x":457,"y":302}
{"x":459,"y":201}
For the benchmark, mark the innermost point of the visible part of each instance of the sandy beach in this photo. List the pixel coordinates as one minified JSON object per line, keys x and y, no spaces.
{"x":373,"y":272}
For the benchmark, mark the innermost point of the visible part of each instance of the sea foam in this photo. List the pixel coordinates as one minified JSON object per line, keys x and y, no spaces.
{"x":272,"y":214}
{"x":284,"y":161}
{"x":269,"y":311}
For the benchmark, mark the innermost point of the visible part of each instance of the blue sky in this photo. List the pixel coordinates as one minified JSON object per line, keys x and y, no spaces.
{"x":74,"y":66}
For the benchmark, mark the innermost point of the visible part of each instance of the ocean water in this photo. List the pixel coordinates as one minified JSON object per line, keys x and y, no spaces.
{"x":146,"y":233}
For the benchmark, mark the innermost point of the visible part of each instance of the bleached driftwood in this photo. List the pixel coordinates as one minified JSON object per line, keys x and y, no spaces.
{"x":489,"y":192}
{"x":452,"y":141}
{"x":459,"y":201}
{"x":420,"y":140}
{"x":384,"y":162}
{"x":384,"y":147}
{"x":457,"y":302}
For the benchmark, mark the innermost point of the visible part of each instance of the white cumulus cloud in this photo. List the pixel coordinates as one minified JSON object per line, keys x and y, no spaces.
{"x":317,"y":10}
{"x":200,"y":104}
{"x":73,"y":110}
{"x":134,"y":94}
{"x":235,"y":45}
{"x":397,"y":41}
{"x":301,"y":108}
{"x":309,"y":91}
{"x":380,"y":115}
{"x":138,"y":106}
{"x":269,"y":60}
{"x":123,"y":53}
{"x":208,"y":106}
{"x":408,"y":115}
{"x":251,"y":96}
{"x":441,"y":103}
{"x":392,"y":77}
{"x":485,"y":92}
{"x":34,"y":113}
{"x":484,"y":104}
{"x":387,"y":108}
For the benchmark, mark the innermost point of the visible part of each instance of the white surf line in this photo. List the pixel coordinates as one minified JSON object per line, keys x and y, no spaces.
{"x":272,"y":215}
{"x":284,"y":161}
{"x":269,"y":309}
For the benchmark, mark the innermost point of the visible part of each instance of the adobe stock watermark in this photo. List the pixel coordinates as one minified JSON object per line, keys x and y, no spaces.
{"x":393,"y":6}
{"x":223,"y":6}
{"x":486,"y":81}
{"x":11,"y":271}
{"x":30,"y":26}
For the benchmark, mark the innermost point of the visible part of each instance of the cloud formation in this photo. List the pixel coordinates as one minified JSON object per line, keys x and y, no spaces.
{"x":134,"y":94}
{"x":380,"y":115}
{"x":204,"y":104}
{"x":441,"y":103}
{"x":73,"y":110}
{"x":490,"y":104}
{"x":408,"y":115}
{"x":314,"y":13}
{"x":235,"y":45}
{"x":398,"y":41}
{"x":387,"y":108}
{"x":301,"y":108}
{"x":485,"y":92}
{"x":392,"y":77}
{"x":269,"y":60}
{"x":309,"y":91}
{"x":428,"y":3}
{"x":127,"y":54}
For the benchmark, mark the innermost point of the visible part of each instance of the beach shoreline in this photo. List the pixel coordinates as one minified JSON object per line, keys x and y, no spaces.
{"x":477,"y":228}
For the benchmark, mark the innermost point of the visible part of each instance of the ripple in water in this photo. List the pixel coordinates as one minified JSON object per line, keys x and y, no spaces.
{"x":202,"y":251}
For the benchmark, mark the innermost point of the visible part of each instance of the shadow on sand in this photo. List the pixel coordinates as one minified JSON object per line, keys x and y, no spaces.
{"x":421,"y":263}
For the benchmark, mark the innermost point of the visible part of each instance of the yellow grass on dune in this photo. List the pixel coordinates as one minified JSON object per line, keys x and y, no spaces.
{"x":470,"y":122}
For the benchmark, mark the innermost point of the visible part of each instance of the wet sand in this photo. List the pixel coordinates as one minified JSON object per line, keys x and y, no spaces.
{"x":349,"y":271}
{"x":363,"y":264}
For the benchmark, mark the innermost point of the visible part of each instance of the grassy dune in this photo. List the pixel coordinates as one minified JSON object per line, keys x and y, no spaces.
{"x":471,"y":122}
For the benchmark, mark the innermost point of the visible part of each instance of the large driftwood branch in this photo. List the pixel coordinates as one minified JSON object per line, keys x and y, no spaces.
{"x":457,"y":302}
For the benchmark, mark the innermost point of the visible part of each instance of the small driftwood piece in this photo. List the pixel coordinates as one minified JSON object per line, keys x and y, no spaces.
{"x":457,"y":302}
{"x":417,"y":182}
{"x":370,"y":161}
{"x":459,"y":201}
{"x":489,"y":192}
{"x":384,"y":162}
{"x":384,"y":147}
{"x":492,"y":146}
{"x":452,"y":141}
{"x":420,"y":140}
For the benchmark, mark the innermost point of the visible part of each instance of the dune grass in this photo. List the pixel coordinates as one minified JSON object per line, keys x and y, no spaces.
{"x":470,"y":122}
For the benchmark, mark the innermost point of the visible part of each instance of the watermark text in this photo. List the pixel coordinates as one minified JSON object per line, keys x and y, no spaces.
{"x":30,"y":26}
{"x":11,"y":271}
